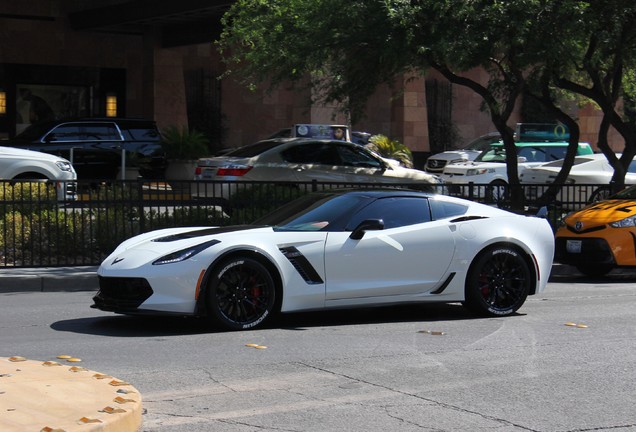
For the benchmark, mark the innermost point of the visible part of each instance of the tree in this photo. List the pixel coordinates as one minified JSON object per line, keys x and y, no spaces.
{"x":531,"y":47}
{"x":603,"y":71}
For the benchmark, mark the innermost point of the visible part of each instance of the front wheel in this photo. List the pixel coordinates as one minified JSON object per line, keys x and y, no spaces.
{"x":498,"y":282}
{"x":241,"y":294}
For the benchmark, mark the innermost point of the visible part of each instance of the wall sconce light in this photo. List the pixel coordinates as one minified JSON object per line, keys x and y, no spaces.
{"x":111,"y":105}
{"x":3,"y":102}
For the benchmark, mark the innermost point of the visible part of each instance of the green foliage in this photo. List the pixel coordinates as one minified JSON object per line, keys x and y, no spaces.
{"x":26,"y":197}
{"x":183,"y":144}
{"x":391,"y":149}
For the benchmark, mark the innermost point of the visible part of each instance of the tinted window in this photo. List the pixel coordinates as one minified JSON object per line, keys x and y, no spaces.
{"x":394,"y":211}
{"x":84,"y":132}
{"x":66,"y":132}
{"x":356,"y":156}
{"x":314,"y":212}
{"x":313,"y":153}
{"x":443,"y":209}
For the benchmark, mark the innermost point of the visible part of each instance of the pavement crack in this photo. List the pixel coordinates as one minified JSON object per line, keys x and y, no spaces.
{"x":422,"y":398}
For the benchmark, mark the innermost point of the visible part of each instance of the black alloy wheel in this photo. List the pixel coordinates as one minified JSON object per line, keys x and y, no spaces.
{"x":499,"y":282}
{"x":241,"y":294}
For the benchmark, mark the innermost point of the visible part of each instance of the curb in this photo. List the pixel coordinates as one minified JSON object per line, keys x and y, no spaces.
{"x":54,"y":397}
{"x":48,"y":279}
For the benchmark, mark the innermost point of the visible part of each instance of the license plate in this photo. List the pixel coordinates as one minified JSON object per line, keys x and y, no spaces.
{"x":573,"y":246}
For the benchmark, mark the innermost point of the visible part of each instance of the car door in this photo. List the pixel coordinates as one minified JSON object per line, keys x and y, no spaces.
{"x":410,"y":255}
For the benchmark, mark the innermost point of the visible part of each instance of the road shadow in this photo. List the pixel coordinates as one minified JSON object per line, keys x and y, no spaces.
{"x":152,"y":326}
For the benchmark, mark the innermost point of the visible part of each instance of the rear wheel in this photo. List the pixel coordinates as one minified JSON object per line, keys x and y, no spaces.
{"x":241,"y":294}
{"x":498,"y":282}
{"x":600,"y":194}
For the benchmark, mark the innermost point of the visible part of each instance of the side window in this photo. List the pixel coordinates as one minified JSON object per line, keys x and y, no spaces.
{"x":395,"y":212}
{"x":557,"y":153}
{"x":101,"y":132}
{"x":444,"y":210}
{"x":352,"y":156}
{"x":632,"y":166}
{"x":64,"y":132}
{"x":314,"y":153}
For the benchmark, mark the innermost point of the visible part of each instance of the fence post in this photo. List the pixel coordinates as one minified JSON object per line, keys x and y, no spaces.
{"x":142,"y":215}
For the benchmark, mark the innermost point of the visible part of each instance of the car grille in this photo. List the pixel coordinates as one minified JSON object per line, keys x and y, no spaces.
{"x":121,"y":294}
{"x":435,"y":165}
{"x":593,"y":250}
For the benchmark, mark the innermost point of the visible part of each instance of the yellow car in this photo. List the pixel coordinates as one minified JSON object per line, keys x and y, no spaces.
{"x":601,"y":236}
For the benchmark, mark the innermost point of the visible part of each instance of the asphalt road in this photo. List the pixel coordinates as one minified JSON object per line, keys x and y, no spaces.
{"x":365,"y":370}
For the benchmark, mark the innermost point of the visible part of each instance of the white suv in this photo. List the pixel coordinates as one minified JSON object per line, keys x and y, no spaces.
{"x":435,"y":164}
{"x":18,"y":164}
{"x":489,"y":168}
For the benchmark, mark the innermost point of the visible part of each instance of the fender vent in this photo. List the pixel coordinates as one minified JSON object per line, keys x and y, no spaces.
{"x":302,"y":265}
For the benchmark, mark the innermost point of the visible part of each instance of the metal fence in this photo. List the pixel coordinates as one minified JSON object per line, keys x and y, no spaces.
{"x":38,"y":229}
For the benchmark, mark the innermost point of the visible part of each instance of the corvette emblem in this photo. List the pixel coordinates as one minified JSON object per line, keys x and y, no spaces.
{"x":116,"y":260}
{"x":578,"y":226}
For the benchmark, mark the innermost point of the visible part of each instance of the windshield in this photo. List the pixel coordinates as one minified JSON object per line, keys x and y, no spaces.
{"x":494,"y":154}
{"x":627,"y":194}
{"x":314,"y":212}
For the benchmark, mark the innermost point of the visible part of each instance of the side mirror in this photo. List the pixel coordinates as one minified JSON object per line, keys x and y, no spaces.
{"x":366,"y":225}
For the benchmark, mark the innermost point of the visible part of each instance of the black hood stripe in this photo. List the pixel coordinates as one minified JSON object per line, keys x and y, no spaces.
{"x":206,"y":232}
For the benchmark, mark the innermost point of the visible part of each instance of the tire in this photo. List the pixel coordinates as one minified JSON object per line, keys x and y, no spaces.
{"x":241,"y":294}
{"x":600,"y":194}
{"x":498,"y":282}
{"x":595,"y":270}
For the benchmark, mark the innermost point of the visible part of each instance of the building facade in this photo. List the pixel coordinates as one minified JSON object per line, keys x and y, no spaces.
{"x":156,"y":59}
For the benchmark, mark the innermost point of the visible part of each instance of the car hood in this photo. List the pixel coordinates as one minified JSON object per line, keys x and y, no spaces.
{"x":146,"y":248}
{"x":28,"y":154}
{"x":456,"y":155}
{"x":603,"y":212}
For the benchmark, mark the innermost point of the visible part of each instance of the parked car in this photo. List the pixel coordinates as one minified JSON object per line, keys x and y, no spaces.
{"x":600,"y":237}
{"x":334,"y":250}
{"x":302,"y":160}
{"x":94,"y":145}
{"x":586,"y":171}
{"x":490,"y":168}
{"x":435,"y":164}
{"x":18,"y":164}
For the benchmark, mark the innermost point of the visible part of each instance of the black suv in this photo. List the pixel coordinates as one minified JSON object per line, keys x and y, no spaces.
{"x":94,"y":145}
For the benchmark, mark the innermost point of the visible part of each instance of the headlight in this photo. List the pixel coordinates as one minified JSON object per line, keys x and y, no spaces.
{"x":476,"y":171}
{"x":64,"y":166}
{"x":624,"y":223}
{"x":184,"y":254}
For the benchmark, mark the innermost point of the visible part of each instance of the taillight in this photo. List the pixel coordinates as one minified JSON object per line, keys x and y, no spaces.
{"x":233,"y":171}
{"x":197,"y":171}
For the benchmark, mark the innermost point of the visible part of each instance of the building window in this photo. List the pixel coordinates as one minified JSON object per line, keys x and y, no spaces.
{"x":111,"y":105}
{"x":3,"y":102}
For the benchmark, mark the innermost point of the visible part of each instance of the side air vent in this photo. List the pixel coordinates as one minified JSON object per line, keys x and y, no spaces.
{"x":302,"y":265}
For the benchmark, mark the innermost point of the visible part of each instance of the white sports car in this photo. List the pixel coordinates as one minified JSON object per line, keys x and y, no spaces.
{"x":334,"y":250}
